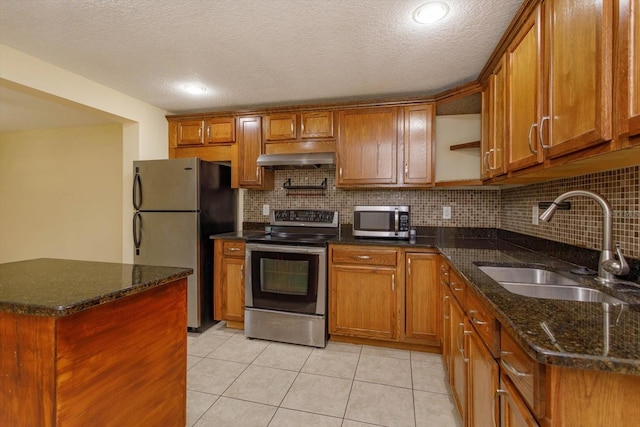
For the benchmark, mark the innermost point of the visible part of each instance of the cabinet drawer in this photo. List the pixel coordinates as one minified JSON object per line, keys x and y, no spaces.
{"x":484,"y":322}
{"x":365,"y":256}
{"x":526,"y":374}
{"x":458,"y":287}
{"x":233,"y":248}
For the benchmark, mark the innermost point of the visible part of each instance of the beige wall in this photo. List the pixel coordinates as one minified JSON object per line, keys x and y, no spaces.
{"x":61,"y":194}
{"x":144,"y":127}
{"x":458,"y":164}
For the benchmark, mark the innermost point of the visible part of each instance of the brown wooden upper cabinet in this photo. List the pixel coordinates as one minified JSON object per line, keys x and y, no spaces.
{"x":367,"y":147}
{"x":629,"y":68}
{"x":386,"y":147}
{"x":559,"y":81}
{"x":220,"y":130}
{"x":418,"y":146}
{"x":279,"y":127}
{"x":316,"y":124}
{"x":285,"y":127}
{"x":493,"y":124}
{"x":190,"y":133}
{"x":250,"y":146}
{"x":215,"y":130}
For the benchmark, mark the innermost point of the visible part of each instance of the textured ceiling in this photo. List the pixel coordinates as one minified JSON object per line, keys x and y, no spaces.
{"x":258,"y":52}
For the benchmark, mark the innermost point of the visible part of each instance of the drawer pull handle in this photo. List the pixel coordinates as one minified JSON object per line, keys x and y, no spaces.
{"x":445,"y":300}
{"x":409,"y":266}
{"x":393,"y":282}
{"x":476,"y":321}
{"x":363,"y":256}
{"x":509,"y":367}
{"x":456,"y":289}
{"x":233,"y":249}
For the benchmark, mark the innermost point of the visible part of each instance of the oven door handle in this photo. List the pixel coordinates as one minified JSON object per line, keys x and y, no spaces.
{"x":284,"y":248}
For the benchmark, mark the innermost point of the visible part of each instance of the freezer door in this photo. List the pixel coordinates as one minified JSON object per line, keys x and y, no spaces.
{"x":166,"y":185}
{"x":171,"y":239}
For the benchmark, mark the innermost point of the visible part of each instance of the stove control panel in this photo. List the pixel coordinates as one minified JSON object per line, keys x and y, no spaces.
{"x":302,"y":217}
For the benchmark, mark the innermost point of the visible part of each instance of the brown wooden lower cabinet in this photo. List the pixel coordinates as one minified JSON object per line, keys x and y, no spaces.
{"x":121,"y":363}
{"x":514,"y":412}
{"x":228,"y":282}
{"x":422,"y":296}
{"x":363,"y":292}
{"x":483,"y":382}
{"x":458,"y":359}
{"x":385,"y":293}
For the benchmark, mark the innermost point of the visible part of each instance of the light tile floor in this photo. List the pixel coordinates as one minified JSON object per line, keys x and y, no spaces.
{"x":235,"y":381}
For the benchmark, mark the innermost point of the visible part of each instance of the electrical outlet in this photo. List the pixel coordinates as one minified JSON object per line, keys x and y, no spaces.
{"x":534,"y":214}
{"x":265,"y":209}
{"x":446,"y":212}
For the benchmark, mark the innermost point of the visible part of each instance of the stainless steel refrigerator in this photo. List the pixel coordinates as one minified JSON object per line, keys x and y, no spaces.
{"x":179,"y":203}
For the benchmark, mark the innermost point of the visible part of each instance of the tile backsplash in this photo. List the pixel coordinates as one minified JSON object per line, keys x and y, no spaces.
{"x":509,"y":208}
{"x":469,"y":208}
{"x":582,"y":225}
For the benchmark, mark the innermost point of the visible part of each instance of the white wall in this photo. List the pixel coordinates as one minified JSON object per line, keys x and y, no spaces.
{"x":458,"y":164}
{"x":144,"y":127}
{"x":60,"y":194}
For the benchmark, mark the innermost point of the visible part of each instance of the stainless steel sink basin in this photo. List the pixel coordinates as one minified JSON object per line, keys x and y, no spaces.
{"x":527,"y":275}
{"x":540,"y":283}
{"x":561,"y":292}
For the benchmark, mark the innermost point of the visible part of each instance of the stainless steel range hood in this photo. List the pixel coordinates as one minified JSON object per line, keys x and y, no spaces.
{"x":297,"y":160}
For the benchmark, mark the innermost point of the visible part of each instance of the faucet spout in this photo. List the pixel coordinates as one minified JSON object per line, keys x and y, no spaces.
{"x":607,"y":255}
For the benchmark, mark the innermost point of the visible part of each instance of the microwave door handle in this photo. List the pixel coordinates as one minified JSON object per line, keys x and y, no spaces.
{"x":397,"y":220}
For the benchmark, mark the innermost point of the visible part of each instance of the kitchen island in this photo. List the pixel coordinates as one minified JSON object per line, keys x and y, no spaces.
{"x":90,"y":343}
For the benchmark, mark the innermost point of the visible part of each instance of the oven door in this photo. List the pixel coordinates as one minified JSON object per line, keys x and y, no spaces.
{"x":286,"y":278}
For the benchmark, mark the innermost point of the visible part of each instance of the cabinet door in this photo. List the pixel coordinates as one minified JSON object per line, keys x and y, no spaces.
{"x":363,"y":302}
{"x":483,"y":384}
{"x":513,"y":411}
{"x":280,"y":127}
{"x":497,"y":153}
{"x":422,"y":296}
{"x":367,"y":147}
{"x":524,"y":64}
{"x":190,"y":132}
{"x":486,"y":133}
{"x":418,"y":145}
{"x":578,"y":43}
{"x":249,"y":148}
{"x":318,"y":124}
{"x":458,"y":368}
{"x":232,"y":281}
{"x":446,"y":328}
{"x":220,"y":130}
{"x":628,"y":90}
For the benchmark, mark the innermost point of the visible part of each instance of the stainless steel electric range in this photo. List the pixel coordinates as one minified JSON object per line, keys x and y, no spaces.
{"x":286,"y":277}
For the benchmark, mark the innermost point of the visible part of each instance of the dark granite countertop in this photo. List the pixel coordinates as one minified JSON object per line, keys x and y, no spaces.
{"x":236,"y":235}
{"x":59,"y":287}
{"x":584,"y":335}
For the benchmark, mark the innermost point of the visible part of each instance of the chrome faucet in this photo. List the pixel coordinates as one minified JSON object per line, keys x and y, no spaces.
{"x":608,"y":267}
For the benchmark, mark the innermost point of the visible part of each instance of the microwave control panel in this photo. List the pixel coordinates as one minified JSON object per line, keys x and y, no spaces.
{"x":404,"y":222}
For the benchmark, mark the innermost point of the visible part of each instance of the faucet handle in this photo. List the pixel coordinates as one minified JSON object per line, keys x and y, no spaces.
{"x":618,"y":267}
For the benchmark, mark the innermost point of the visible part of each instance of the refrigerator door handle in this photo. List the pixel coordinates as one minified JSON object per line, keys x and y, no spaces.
{"x":137,"y":230}
{"x":137,"y":191}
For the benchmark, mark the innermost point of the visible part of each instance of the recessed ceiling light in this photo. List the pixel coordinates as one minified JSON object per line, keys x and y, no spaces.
{"x":194,"y":89}
{"x":430,"y":12}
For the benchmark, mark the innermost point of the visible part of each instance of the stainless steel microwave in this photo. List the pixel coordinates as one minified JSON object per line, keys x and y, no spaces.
{"x":381,"y":221}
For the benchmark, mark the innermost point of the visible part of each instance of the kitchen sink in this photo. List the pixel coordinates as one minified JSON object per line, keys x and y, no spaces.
{"x":540,"y":283}
{"x":527,"y":275}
